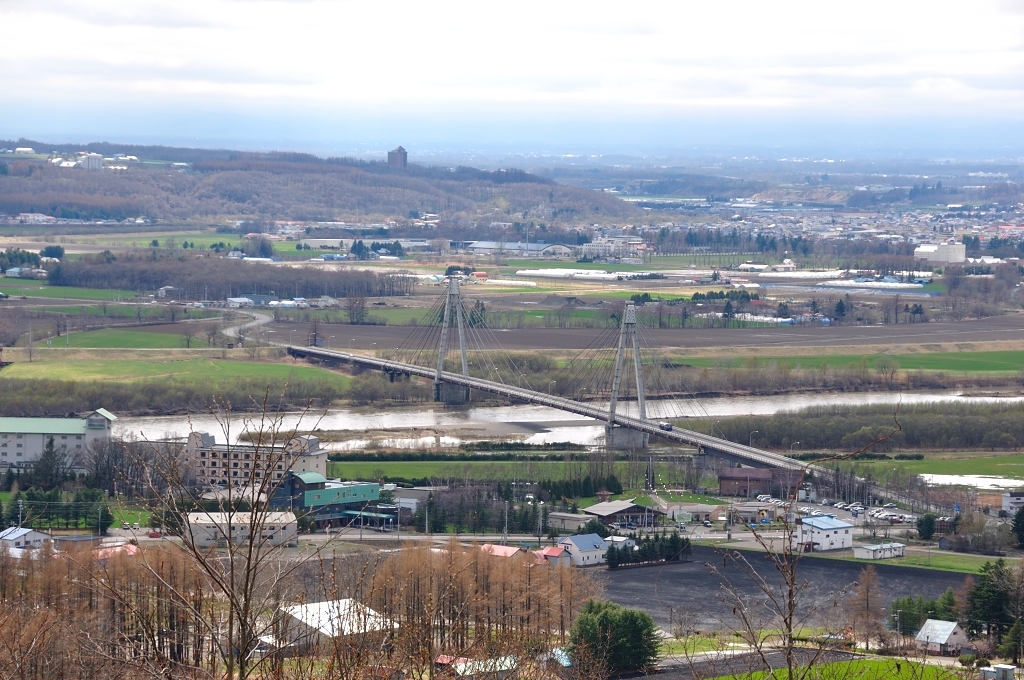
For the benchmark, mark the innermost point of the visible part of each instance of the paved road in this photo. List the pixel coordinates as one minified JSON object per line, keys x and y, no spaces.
{"x":1001,"y":328}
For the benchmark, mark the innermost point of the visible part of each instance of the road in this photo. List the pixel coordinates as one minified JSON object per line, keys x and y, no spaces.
{"x":763,"y":340}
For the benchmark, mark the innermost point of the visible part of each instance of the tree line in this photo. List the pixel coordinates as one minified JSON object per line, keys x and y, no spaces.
{"x":650,"y":549}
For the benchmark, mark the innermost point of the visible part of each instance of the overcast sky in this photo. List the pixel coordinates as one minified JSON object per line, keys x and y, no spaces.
{"x":616,"y":76}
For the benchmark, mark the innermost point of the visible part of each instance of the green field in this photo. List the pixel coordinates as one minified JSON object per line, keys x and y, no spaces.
{"x":121,"y":370}
{"x":940,"y":559}
{"x":956,"y":464}
{"x":953,"y":362}
{"x":19,"y":287}
{"x":117,"y":338}
{"x":485,"y":469}
{"x":862,"y":669}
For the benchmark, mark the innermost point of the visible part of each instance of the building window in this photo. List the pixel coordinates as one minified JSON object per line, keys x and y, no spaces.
{"x":202,"y":454}
{"x":78,"y":436}
{"x":236,"y":456}
{"x":234,"y":465}
{"x":19,"y":446}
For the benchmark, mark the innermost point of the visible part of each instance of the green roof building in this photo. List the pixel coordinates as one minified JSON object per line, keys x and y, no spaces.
{"x":22,"y":440}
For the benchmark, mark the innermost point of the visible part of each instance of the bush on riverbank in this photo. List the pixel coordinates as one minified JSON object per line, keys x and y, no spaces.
{"x":937,"y":426}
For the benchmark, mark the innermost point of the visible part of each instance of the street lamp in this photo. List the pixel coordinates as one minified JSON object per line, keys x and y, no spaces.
{"x":372,"y":345}
{"x":350,"y":343}
{"x":266,"y":335}
{"x":550,"y":383}
{"x":290,"y":333}
{"x":329,"y":341}
{"x":792,"y":445}
{"x":750,"y":438}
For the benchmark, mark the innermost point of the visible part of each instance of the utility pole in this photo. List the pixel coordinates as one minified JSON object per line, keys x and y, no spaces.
{"x":21,"y":504}
{"x":504,"y":533}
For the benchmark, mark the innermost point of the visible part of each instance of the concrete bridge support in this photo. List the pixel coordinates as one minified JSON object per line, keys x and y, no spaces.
{"x":618,"y":437}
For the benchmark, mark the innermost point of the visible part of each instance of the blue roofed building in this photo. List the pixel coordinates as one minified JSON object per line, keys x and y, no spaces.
{"x":815,"y":534}
{"x":585,"y":549}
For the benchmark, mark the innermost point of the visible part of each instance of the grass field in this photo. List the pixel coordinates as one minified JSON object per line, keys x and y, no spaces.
{"x":953,"y":362}
{"x":861,"y":669}
{"x":18,"y":287}
{"x":120,"y":370}
{"x":940,"y":559}
{"x":973,"y":463}
{"x":456,"y":468}
{"x":118,"y":338}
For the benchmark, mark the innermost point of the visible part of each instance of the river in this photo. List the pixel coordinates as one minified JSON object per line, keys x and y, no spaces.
{"x":533,"y":424}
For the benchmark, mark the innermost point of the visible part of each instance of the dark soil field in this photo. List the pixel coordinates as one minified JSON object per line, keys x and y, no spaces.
{"x":692,"y":590}
{"x":994,"y":329}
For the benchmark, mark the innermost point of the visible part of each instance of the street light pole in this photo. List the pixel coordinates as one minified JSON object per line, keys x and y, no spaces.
{"x":792,"y":445}
{"x":750,"y":438}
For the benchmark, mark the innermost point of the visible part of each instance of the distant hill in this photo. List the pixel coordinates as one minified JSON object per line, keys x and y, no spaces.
{"x":223,"y":183}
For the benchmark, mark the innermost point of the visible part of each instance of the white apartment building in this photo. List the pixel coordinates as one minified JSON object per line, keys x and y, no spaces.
{"x":945,"y":253}
{"x":250,"y":464}
{"x":22,"y":440}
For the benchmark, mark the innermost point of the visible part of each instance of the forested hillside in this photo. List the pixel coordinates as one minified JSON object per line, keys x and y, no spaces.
{"x":293,"y":186}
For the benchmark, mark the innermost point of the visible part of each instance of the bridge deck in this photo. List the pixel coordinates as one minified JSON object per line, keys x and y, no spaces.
{"x":745,"y":453}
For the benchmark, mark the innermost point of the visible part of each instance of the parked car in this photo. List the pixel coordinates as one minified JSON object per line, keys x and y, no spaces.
{"x":124,"y":526}
{"x":707,"y":523}
{"x":840,"y":506}
{"x":889,"y":506}
{"x":764,"y":498}
{"x":154,"y":534}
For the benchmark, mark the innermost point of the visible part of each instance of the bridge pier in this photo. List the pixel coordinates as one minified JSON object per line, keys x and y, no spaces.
{"x":624,"y":439}
{"x":452,"y":395}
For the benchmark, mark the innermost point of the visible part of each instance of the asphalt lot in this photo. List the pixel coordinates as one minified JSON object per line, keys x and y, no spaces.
{"x":994,"y":329}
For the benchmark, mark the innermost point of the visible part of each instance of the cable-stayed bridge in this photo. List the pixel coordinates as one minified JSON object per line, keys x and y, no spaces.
{"x":427,"y":354}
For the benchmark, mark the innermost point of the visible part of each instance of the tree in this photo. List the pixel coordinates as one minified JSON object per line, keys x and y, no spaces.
{"x":355,"y":306}
{"x":211,"y":332}
{"x":887,"y":367}
{"x":986,"y":601}
{"x":926,"y":526}
{"x":52,"y":251}
{"x":1018,"y":526}
{"x":626,"y":639}
{"x":53,"y":466}
{"x":188,"y":334}
{"x":866,"y":613}
{"x":839,"y":313}
{"x":594,"y":526}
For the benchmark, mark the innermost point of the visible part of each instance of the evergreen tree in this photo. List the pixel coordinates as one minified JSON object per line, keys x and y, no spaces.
{"x":627,"y":639}
{"x":1018,"y":526}
{"x":926,"y":526}
{"x":986,"y":610}
{"x":587,"y":488}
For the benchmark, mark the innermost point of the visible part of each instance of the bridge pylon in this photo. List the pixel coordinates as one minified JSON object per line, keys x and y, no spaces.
{"x":619,"y":437}
{"x":447,"y":392}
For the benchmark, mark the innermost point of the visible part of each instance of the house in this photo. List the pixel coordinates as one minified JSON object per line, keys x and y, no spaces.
{"x":556,"y":556}
{"x":878,"y":552}
{"x":624,"y":512}
{"x":309,"y":625}
{"x":22,"y":440}
{"x":942,"y":637}
{"x":238,"y":302}
{"x":585,"y":549}
{"x":500,"y":550}
{"x":823,"y":533}
{"x":744,"y":481}
{"x":567,"y":521}
{"x":1013,"y":501}
{"x":695,"y":512}
{"x":22,"y":537}
{"x":621,"y":542}
{"x":214,"y":529}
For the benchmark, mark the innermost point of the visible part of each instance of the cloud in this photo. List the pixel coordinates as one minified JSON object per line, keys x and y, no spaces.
{"x":558,"y":61}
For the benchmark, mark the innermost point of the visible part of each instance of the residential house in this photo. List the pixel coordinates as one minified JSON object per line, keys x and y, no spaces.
{"x":555,"y":556}
{"x":500,"y":550}
{"x":823,"y":533}
{"x":942,"y":637}
{"x":585,"y":549}
{"x":1013,"y":501}
{"x":744,"y":481}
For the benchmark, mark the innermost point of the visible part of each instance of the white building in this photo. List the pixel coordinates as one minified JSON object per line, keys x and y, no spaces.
{"x":22,"y":440}
{"x":567,"y":521}
{"x":586,"y":549}
{"x":1013,"y":501}
{"x":881,"y":551}
{"x":249,"y":464}
{"x":945,"y":253}
{"x":213,"y":529}
{"x":25,"y":150}
{"x":942,"y":637}
{"x":309,"y":625}
{"x":14,"y":538}
{"x":823,"y":533}
{"x":91,"y":161}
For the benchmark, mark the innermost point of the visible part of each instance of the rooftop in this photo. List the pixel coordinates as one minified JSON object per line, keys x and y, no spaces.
{"x":825,"y":522}
{"x":936,"y":631}
{"x":338,"y":617}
